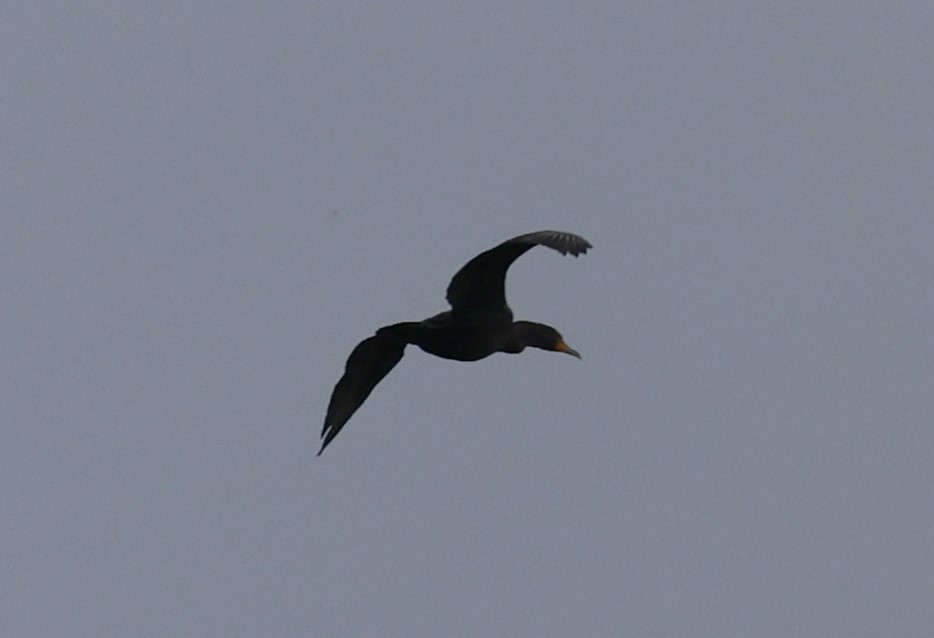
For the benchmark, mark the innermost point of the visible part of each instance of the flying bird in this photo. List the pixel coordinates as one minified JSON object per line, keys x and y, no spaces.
{"x":478,"y":324}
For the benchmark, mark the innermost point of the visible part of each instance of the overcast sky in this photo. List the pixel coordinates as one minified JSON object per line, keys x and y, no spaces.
{"x":205,"y":206}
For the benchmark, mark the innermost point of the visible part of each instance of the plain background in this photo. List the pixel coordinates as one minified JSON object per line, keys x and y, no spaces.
{"x":205,"y":206}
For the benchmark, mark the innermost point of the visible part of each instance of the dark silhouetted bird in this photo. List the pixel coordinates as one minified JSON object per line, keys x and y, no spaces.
{"x":478,"y":324}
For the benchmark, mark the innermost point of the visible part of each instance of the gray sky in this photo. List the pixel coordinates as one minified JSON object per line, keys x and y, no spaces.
{"x":206,"y":206}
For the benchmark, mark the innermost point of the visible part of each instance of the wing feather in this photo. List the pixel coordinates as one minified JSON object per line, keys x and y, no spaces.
{"x":482,"y":280}
{"x":369,"y":362}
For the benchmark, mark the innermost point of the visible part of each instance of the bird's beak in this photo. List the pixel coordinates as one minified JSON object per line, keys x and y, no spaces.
{"x":565,"y":348}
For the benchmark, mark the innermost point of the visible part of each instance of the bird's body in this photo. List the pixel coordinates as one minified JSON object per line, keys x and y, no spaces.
{"x":479,"y":324}
{"x":463,"y":338}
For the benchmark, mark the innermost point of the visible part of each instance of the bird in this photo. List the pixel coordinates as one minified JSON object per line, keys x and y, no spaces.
{"x":478,"y":324}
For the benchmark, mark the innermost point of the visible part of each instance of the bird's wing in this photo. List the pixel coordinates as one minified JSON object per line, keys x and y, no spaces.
{"x":482,"y":280}
{"x":369,"y":362}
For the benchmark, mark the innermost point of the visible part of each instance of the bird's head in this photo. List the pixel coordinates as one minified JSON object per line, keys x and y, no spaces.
{"x":538,"y":335}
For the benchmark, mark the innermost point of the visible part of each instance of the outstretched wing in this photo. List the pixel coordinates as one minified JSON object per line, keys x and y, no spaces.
{"x":482,"y":281}
{"x":369,"y":362}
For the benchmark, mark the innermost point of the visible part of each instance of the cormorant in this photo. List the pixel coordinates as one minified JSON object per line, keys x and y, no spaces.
{"x":478,"y":324}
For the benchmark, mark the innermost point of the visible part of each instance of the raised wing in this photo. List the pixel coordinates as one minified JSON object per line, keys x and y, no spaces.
{"x":369,"y":362}
{"x":482,"y":281}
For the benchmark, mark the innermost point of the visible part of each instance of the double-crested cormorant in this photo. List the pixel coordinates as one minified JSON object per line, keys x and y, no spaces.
{"x":478,"y":324}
